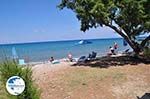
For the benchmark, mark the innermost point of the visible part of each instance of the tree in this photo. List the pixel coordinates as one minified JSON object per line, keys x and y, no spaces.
{"x":129,"y":18}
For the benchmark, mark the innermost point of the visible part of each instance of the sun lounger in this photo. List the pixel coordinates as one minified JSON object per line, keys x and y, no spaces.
{"x":117,"y":55}
{"x":82,"y":59}
{"x":55,"y":62}
{"x":21,"y":62}
{"x":92,"y":56}
{"x":126,"y":51}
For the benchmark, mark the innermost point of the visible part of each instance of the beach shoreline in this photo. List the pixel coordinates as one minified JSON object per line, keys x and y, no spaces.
{"x":42,"y":51}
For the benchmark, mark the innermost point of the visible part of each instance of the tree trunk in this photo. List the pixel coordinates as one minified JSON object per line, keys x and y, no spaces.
{"x":135,"y":46}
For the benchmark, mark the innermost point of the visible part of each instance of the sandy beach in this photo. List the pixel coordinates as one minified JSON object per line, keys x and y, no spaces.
{"x":63,"y":81}
{"x":75,"y":49}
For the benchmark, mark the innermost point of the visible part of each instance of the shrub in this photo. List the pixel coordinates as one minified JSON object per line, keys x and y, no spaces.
{"x":11,"y":68}
{"x":147,"y":52}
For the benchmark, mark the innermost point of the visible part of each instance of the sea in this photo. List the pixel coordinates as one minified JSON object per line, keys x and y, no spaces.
{"x":42,"y":51}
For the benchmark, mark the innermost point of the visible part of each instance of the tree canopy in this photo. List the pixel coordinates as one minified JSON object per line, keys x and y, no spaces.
{"x":129,"y":18}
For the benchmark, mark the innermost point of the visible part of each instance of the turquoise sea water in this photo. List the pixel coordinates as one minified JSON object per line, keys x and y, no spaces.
{"x":42,"y":51}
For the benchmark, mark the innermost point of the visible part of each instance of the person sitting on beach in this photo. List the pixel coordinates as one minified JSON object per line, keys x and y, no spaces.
{"x":70,"y":57}
{"x":111,"y":51}
{"x":115,"y":46}
{"x":51,"y":59}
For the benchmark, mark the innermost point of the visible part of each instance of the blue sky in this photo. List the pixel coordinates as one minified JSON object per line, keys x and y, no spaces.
{"x":40,"y":20}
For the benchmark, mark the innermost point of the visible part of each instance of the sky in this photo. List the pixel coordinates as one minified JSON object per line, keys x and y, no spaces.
{"x":40,"y":20}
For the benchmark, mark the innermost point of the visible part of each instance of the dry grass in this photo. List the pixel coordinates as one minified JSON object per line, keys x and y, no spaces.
{"x":126,"y":82}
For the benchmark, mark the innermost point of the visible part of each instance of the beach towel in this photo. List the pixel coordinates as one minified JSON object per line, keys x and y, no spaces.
{"x":55,"y":62}
{"x":21,"y":62}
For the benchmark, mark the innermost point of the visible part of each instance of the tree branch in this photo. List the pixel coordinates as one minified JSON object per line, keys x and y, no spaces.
{"x":118,"y":31}
{"x":124,"y":29}
{"x":133,"y":44}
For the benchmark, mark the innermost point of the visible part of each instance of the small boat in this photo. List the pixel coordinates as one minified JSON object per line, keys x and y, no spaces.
{"x":84,"y":42}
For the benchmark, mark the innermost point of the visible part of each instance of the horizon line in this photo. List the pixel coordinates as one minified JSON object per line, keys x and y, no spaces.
{"x":57,"y":40}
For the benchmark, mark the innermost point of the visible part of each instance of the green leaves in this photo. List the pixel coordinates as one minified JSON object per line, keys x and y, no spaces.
{"x":128,"y":18}
{"x":128,"y":14}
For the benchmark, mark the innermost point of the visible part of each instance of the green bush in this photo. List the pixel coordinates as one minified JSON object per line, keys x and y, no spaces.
{"x":11,"y":68}
{"x":147,"y":52}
